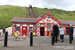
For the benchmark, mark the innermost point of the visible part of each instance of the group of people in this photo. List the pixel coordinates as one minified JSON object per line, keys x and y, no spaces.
{"x":59,"y":32}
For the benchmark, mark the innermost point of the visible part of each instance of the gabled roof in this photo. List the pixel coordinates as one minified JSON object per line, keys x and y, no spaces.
{"x":51,"y":17}
{"x":25,"y":20}
{"x":33,"y":20}
{"x":67,"y":22}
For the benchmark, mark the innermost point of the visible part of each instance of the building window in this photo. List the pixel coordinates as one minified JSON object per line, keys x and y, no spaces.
{"x":17,"y":27}
{"x":48,"y":27}
{"x":31,"y":28}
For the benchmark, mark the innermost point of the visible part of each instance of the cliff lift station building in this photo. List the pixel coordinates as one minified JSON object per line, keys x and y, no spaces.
{"x":41,"y":26}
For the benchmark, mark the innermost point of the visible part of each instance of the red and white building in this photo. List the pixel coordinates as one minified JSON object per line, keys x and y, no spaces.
{"x":41,"y":26}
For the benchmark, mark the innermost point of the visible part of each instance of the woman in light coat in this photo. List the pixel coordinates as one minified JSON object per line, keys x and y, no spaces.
{"x":61,"y":33}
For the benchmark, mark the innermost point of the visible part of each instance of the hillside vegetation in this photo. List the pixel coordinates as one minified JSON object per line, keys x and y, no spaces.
{"x":57,"y":13}
{"x":7,"y":12}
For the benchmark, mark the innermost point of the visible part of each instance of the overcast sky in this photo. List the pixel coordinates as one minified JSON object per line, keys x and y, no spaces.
{"x":59,"y":4}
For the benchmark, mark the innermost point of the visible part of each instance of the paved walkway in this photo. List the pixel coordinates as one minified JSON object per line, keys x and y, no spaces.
{"x":39,"y":43}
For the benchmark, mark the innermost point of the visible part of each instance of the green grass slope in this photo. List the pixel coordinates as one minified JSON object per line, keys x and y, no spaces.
{"x":57,"y":13}
{"x":7,"y":12}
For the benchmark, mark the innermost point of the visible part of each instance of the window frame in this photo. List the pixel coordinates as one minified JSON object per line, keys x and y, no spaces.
{"x":48,"y":27}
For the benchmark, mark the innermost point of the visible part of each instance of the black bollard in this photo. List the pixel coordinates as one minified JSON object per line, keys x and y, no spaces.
{"x":70,"y":38}
{"x":53,"y":38}
{"x":31,"y":39}
{"x":6,"y":38}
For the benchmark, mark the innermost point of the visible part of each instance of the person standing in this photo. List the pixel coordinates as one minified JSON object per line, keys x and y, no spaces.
{"x":4,"y":31}
{"x":55,"y":30}
{"x":61,"y":33}
{"x":71,"y":31}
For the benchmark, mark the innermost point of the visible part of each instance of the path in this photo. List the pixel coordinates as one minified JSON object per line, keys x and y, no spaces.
{"x":39,"y":43}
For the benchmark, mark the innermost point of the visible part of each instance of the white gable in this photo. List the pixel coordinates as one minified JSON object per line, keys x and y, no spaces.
{"x":48,"y":20}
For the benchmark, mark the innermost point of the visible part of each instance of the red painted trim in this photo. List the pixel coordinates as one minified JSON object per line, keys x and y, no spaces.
{"x":41,"y":18}
{"x":20,"y":29}
{"x":51,"y":17}
{"x":56,"y":19}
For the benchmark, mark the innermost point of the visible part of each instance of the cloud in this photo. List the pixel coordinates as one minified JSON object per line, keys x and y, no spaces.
{"x":16,"y":2}
{"x":37,"y":3}
{"x":71,"y":8}
{"x":59,"y":4}
{"x":3,"y":1}
{"x":21,"y":2}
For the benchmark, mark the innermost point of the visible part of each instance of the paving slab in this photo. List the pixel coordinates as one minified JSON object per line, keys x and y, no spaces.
{"x":39,"y":43}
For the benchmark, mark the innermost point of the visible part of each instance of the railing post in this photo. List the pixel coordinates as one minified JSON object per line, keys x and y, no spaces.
{"x":6,"y":38}
{"x":31,"y":39}
{"x":53,"y":38}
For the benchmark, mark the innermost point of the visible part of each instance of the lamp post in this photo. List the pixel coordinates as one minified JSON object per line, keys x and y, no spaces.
{"x":62,"y":15}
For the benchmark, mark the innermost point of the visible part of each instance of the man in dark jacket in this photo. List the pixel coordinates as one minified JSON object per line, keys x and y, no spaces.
{"x":55,"y":30}
{"x":71,"y":30}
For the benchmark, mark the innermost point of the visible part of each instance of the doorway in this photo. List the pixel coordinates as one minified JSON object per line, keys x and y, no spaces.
{"x":24,"y":30}
{"x":42,"y":31}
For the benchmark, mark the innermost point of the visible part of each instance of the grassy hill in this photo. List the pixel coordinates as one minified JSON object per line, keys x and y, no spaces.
{"x":57,"y":13}
{"x":7,"y":12}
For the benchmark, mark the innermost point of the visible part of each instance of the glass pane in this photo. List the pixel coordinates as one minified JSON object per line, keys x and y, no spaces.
{"x":18,"y":28}
{"x":48,"y":27}
{"x":30,"y":28}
